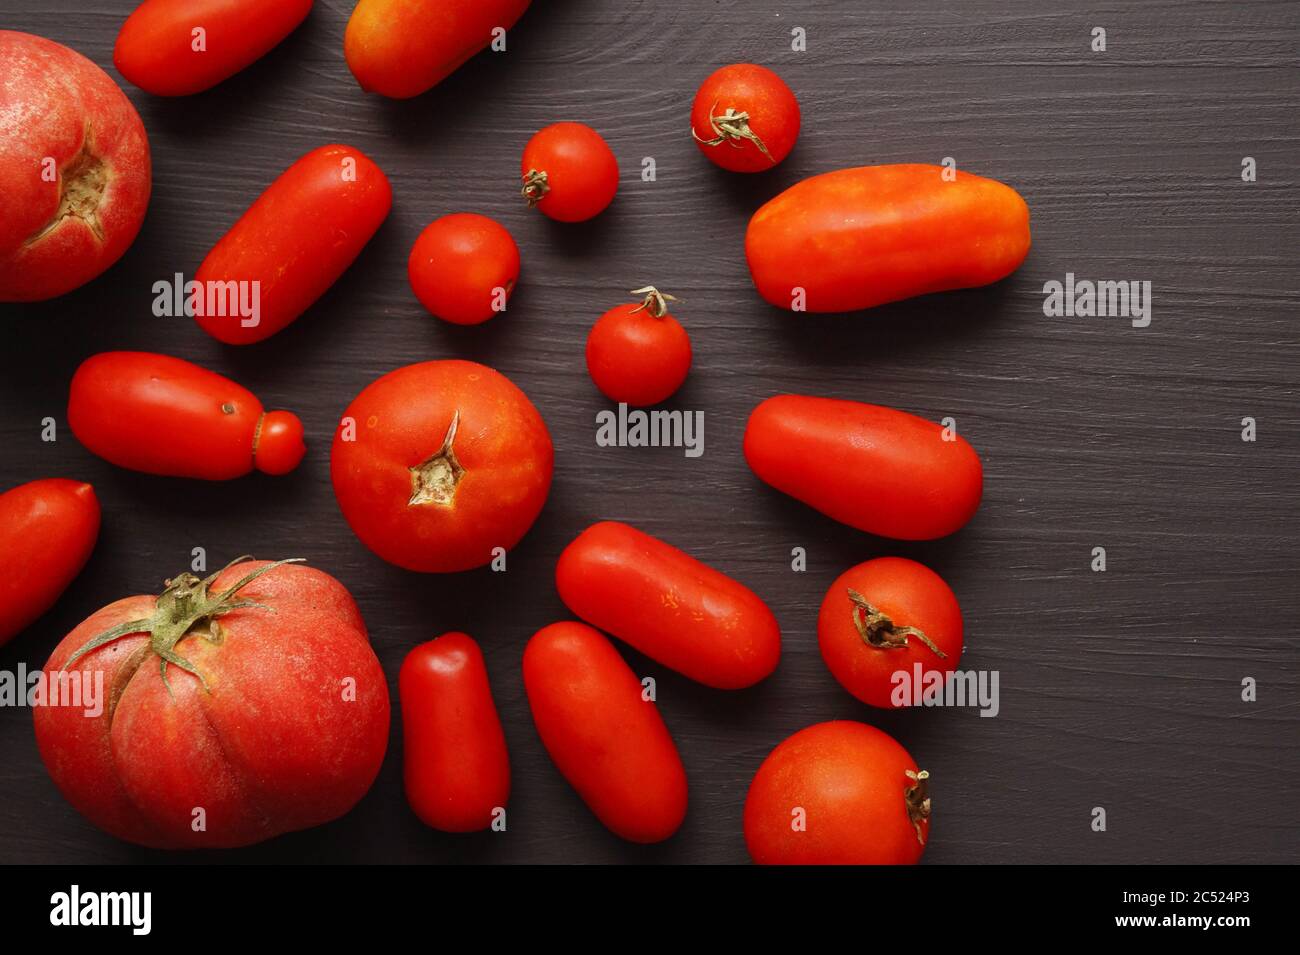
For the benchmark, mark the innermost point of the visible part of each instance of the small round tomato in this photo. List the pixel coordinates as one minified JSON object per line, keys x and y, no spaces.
{"x":639,"y":354}
{"x":838,"y":793}
{"x":463,"y":268}
{"x":569,"y":172}
{"x":745,"y":118}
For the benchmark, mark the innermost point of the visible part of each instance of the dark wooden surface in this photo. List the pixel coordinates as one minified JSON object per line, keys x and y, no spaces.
{"x":1119,"y":689}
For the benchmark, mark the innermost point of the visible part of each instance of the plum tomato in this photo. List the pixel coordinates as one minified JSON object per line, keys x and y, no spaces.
{"x":639,"y":354}
{"x":569,"y":172}
{"x":463,"y":268}
{"x":745,"y":118}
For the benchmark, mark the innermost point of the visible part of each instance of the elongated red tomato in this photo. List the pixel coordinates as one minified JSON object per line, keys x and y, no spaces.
{"x":178,"y":47}
{"x":164,"y":415}
{"x":674,"y":609}
{"x":291,"y":245}
{"x":604,"y":736}
{"x":877,"y":469}
{"x":47,"y":530}
{"x":862,"y":237}
{"x":455,"y":766}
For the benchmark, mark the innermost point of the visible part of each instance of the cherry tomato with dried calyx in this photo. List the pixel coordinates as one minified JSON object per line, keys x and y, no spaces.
{"x":463,"y":268}
{"x":569,"y":172}
{"x":745,"y":119}
{"x":639,"y":354}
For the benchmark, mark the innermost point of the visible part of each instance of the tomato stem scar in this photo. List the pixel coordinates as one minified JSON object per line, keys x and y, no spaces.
{"x":656,"y":302}
{"x":879,"y":631}
{"x":917,"y":799}
{"x":535,"y":186}
{"x":730,"y":127}
{"x":434,"y":481}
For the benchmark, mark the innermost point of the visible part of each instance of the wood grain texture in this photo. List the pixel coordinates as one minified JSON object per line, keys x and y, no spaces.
{"x":1119,"y":689}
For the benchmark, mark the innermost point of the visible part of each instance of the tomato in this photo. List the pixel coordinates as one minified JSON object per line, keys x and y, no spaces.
{"x":862,"y":237}
{"x":569,"y":172}
{"x":665,"y":603}
{"x":463,"y":268}
{"x":294,"y":242}
{"x":401,"y":48}
{"x":456,"y":768}
{"x":745,"y":118}
{"x":161,"y":50}
{"x":437,"y":464}
{"x":243,"y":705}
{"x":47,"y":530}
{"x":838,"y":793}
{"x":604,"y":736}
{"x":74,"y":169}
{"x":639,"y":354}
{"x":882,"y":471}
{"x":162,"y":415}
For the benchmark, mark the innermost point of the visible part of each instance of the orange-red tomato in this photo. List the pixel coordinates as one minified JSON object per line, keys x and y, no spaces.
{"x":665,"y":603}
{"x":745,"y":118}
{"x":838,"y":793}
{"x":569,"y":172}
{"x":463,"y":268}
{"x":604,"y":736}
{"x":862,"y":237}
{"x":877,"y":469}
{"x":639,"y":354}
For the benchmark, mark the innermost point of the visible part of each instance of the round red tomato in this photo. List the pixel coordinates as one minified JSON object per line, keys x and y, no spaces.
{"x":569,"y":172}
{"x":436,"y":465}
{"x":838,"y":793}
{"x":463,"y":268}
{"x":639,"y":354}
{"x":745,"y":118}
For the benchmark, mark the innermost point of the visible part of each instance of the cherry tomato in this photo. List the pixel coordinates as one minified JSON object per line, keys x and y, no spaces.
{"x":435,"y":465}
{"x":838,"y":793}
{"x":639,"y":354}
{"x":456,"y":768}
{"x":47,"y":530}
{"x":162,"y":415}
{"x":463,"y":268}
{"x":569,"y":172}
{"x":604,"y":736}
{"x":745,"y":118}
{"x":665,"y":603}
{"x":879,"y":470}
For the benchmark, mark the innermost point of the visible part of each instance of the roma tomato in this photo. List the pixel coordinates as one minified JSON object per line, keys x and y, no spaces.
{"x":604,"y":736}
{"x":401,"y":48}
{"x":745,"y":118}
{"x":162,"y":415}
{"x":160,"y":50}
{"x":455,"y":764}
{"x":437,"y":464}
{"x":74,"y":169}
{"x":862,"y":237}
{"x":838,"y":793}
{"x":882,"y":471}
{"x":463,"y":268}
{"x":291,"y":245}
{"x":249,"y":700}
{"x":569,"y":172}
{"x":639,"y":354}
{"x":47,"y":530}
{"x":886,"y":616}
{"x":665,"y":603}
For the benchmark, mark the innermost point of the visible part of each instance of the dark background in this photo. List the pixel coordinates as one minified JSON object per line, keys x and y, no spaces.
{"x":1119,"y":689}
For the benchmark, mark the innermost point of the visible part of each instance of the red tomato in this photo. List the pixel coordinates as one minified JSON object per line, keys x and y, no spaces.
{"x":862,"y":237}
{"x":47,"y":530}
{"x":74,"y":169}
{"x":604,"y":736}
{"x":569,"y":172}
{"x":163,"y":415}
{"x":244,"y":705}
{"x":401,"y":48}
{"x":639,"y":354}
{"x":665,"y":603}
{"x":294,"y":241}
{"x":745,"y":118}
{"x":463,"y":268}
{"x":456,"y":768}
{"x":884,"y":617}
{"x":437,"y":464}
{"x":879,"y":470}
{"x":161,"y":50}
{"x":838,"y":793}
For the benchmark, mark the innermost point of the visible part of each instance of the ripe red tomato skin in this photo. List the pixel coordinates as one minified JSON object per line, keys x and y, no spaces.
{"x":668,"y":605}
{"x":607,"y":740}
{"x":296,"y":239}
{"x":880,"y":470}
{"x":456,"y":769}
{"x":458,"y":262}
{"x":582,"y":173}
{"x":636,"y":358}
{"x":154,"y":48}
{"x":48,"y":529}
{"x":773,"y":116}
